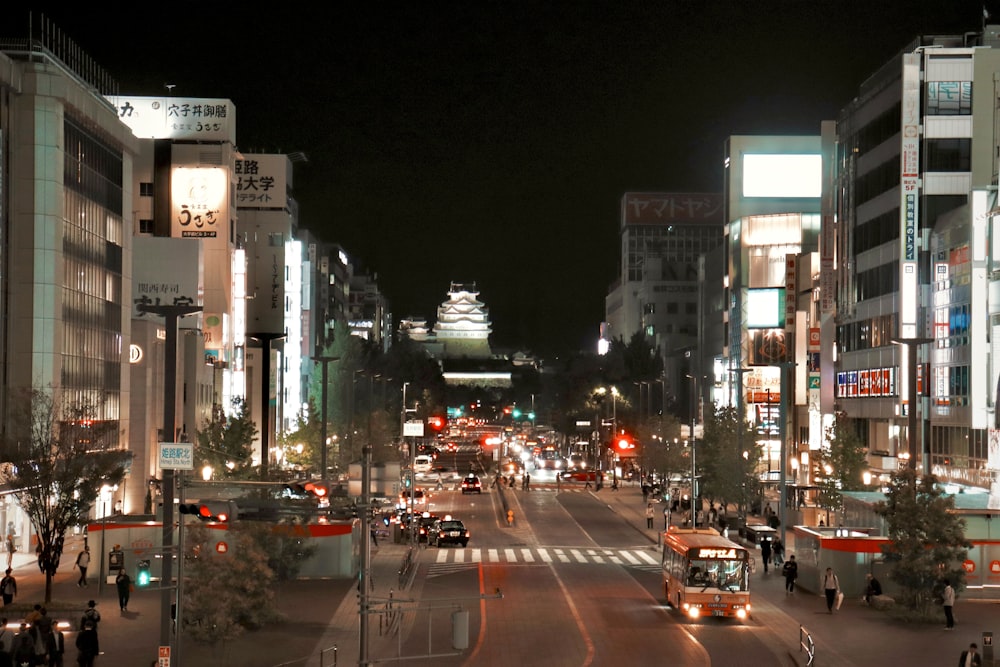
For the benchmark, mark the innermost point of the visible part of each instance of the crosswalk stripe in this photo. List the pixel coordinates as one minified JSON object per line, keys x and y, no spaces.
{"x":460,"y":556}
{"x":509,"y":555}
{"x":544,"y":555}
{"x":528,"y":557}
{"x":442,"y":556}
{"x":493,"y":555}
{"x":630,"y":558}
{"x":649,"y":558}
{"x":477,"y":555}
{"x":580,"y":558}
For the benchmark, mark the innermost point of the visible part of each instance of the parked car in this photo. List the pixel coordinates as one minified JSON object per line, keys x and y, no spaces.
{"x":472,"y":484}
{"x":448,"y":531}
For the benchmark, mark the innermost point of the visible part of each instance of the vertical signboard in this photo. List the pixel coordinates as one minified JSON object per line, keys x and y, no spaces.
{"x":909,"y":190}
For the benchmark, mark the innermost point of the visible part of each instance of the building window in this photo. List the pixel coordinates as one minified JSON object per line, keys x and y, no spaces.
{"x":949,"y":98}
{"x":690,"y":309}
{"x":948,"y":155}
{"x":145,"y":226}
{"x":672,"y":308}
{"x":145,"y":189}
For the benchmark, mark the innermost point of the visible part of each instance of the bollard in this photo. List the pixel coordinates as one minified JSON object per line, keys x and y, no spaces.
{"x":987,"y":648}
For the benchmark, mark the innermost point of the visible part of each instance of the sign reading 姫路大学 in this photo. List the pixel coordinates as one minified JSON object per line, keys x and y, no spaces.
{"x":177,"y":456}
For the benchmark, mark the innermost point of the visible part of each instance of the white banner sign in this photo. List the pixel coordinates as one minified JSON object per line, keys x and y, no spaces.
{"x":177,"y":456}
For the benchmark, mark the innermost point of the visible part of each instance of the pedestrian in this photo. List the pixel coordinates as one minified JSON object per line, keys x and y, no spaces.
{"x":614,"y":483}
{"x":765,"y":551}
{"x":872,"y":588}
{"x":791,"y":571}
{"x":123,"y":583}
{"x":6,"y":644}
{"x":8,"y":587}
{"x":11,"y":548}
{"x":649,"y":515}
{"x":971,"y":657}
{"x":23,"y":650}
{"x":645,"y":492}
{"x":83,"y":562}
{"x":527,"y":482}
{"x":40,"y":632}
{"x":831,"y":587}
{"x":948,"y":602}
{"x":779,"y":552}
{"x":86,"y":644}
{"x":91,"y":616}
{"x":56,"y":647}
{"x":32,"y":616}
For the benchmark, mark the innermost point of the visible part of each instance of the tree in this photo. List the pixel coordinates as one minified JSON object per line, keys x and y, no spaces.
{"x":926,"y":538}
{"x":59,"y":457}
{"x":226,"y":594}
{"x":727,"y":456}
{"x":225,"y":444}
{"x":843,"y":460}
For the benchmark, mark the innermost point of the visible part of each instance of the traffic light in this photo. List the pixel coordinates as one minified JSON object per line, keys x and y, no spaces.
{"x":516,"y":413}
{"x":220,"y":511}
{"x":624,"y":442}
{"x":142,"y":573}
{"x":436,"y":423}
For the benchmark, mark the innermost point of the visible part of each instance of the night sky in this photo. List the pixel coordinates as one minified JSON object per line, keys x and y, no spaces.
{"x":492,"y":141}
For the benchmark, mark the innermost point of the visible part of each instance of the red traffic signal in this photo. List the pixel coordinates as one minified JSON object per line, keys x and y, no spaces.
{"x":436,"y":423}
{"x":624,"y":442}
{"x":220,"y":511}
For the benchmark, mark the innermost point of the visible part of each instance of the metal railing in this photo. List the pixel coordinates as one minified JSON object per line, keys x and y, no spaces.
{"x":807,"y":644}
{"x":406,"y":568}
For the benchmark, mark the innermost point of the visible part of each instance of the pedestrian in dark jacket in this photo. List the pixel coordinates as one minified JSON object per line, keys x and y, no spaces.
{"x":765,"y":552}
{"x":56,"y":647}
{"x":24,"y":647}
{"x":86,"y":645}
{"x":970,"y":658}
{"x":791,"y":572}
{"x":123,"y":583}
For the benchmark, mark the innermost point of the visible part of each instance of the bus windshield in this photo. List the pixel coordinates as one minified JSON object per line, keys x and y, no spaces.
{"x":728,"y":575}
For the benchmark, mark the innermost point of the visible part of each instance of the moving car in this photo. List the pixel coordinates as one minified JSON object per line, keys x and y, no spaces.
{"x":448,"y":531}
{"x":472,"y":484}
{"x":423,"y":463}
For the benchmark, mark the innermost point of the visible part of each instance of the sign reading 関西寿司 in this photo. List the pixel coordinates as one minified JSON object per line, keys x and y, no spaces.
{"x":176,"y":456}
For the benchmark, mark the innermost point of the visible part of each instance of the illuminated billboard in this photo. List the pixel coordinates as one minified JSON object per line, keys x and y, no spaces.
{"x":780,"y":175}
{"x":177,"y":118}
{"x":766,"y":308}
{"x":199,"y":202}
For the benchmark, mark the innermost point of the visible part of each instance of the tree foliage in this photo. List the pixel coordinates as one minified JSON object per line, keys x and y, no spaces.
{"x":59,"y":460}
{"x":846,"y":457}
{"x":226,"y":444}
{"x":926,"y":538}
{"x":225,"y":595}
{"x":726,"y":459}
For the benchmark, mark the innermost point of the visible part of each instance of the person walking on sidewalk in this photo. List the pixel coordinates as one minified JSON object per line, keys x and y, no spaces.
{"x":11,"y":548}
{"x":8,"y":587}
{"x":765,"y":551}
{"x":83,"y":562}
{"x":971,"y":657}
{"x":123,"y":583}
{"x":649,"y":515}
{"x":6,"y":644}
{"x":948,"y":602}
{"x":831,"y":587}
{"x":86,"y":644}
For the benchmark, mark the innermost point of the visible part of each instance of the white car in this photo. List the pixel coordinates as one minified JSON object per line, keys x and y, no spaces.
{"x":423,"y":463}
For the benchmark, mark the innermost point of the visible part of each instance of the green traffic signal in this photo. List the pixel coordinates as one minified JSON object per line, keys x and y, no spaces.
{"x":142,"y":573}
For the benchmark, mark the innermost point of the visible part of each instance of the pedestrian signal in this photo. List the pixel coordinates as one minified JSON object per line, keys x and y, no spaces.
{"x":142,"y":573}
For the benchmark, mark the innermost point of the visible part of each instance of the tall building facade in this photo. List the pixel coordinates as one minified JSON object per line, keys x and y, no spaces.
{"x":917,"y":227}
{"x":663,"y":235}
{"x":65,"y":212}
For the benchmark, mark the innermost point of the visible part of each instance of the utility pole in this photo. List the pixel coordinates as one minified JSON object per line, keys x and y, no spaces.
{"x":171,"y":314}
{"x":265,"y":398}
{"x":366,"y":554}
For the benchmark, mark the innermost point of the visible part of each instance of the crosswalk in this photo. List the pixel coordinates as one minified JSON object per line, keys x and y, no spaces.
{"x":451,"y":560}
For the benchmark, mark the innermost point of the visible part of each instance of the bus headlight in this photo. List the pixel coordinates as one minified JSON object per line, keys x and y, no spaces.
{"x":741,"y":614}
{"x":693,"y":612}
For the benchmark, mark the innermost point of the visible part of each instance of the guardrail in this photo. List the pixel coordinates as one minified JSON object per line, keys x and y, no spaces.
{"x":807,"y":644}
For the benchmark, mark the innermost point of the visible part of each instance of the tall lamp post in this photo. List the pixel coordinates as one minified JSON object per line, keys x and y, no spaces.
{"x":265,"y":339}
{"x":694,"y":477}
{"x":785,"y":368}
{"x":171,"y":314}
{"x":912,"y":346}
